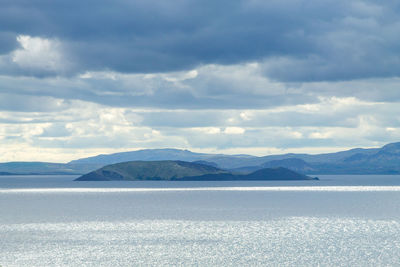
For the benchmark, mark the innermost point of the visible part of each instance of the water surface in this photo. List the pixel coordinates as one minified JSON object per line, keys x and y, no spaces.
{"x":339,"y":220}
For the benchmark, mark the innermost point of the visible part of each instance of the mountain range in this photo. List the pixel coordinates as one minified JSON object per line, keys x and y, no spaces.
{"x":384,"y":160}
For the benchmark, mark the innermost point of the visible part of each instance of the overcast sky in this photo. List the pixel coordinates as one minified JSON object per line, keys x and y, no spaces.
{"x":80,"y":78}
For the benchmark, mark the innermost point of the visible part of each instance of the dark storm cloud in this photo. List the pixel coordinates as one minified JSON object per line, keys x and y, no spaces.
{"x":8,"y":42}
{"x":139,"y":92}
{"x":298,"y":40}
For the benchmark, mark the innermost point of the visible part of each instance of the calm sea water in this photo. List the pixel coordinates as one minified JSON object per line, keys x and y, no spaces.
{"x":339,"y":220}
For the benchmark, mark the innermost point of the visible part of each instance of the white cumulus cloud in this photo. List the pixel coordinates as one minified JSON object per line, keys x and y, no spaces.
{"x":38,"y":56}
{"x":234,"y":130}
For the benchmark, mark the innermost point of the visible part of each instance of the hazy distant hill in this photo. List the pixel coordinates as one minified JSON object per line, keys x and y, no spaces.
{"x":222,"y":161}
{"x":385,"y":160}
{"x":182,"y":171}
{"x":146,"y":155}
{"x":46,"y":168}
{"x":6,"y":173}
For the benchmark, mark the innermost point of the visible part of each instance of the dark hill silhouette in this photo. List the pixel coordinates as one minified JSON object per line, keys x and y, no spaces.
{"x":182,"y":171}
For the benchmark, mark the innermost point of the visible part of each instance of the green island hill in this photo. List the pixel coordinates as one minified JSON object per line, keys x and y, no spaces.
{"x":171,"y":170}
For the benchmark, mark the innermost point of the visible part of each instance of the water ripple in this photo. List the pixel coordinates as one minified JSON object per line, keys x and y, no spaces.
{"x":262,"y":188}
{"x":293,"y":241}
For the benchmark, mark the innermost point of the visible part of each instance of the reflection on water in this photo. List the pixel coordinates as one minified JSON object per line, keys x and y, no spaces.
{"x":198,"y":189}
{"x":294,"y":241}
{"x":340,"y":220}
{"x":67,"y":181}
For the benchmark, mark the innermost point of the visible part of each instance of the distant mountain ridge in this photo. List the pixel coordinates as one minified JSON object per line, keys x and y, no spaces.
{"x":384,"y":160}
{"x":145,"y":155}
{"x":222,"y":160}
{"x":45,"y":168}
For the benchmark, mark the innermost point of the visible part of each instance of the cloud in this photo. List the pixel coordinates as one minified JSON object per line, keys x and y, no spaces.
{"x":203,"y":88}
{"x":91,"y":129}
{"x":236,"y":76}
{"x":234,"y":130}
{"x":295,"y":40}
{"x":16,"y":102}
{"x":38,"y":53}
{"x":36,"y":56}
{"x":208,"y":87}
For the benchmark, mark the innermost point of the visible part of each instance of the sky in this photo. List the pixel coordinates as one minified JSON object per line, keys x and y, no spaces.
{"x":81,"y":78}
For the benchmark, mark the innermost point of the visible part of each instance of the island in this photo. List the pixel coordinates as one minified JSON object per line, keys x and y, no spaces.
{"x":176,"y":170}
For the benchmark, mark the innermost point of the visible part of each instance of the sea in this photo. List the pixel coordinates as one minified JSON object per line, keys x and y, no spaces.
{"x":340,"y":220}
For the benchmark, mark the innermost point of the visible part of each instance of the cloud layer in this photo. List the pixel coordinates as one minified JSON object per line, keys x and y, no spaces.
{"x":84,"y":77}
{"x":296,"y":40}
